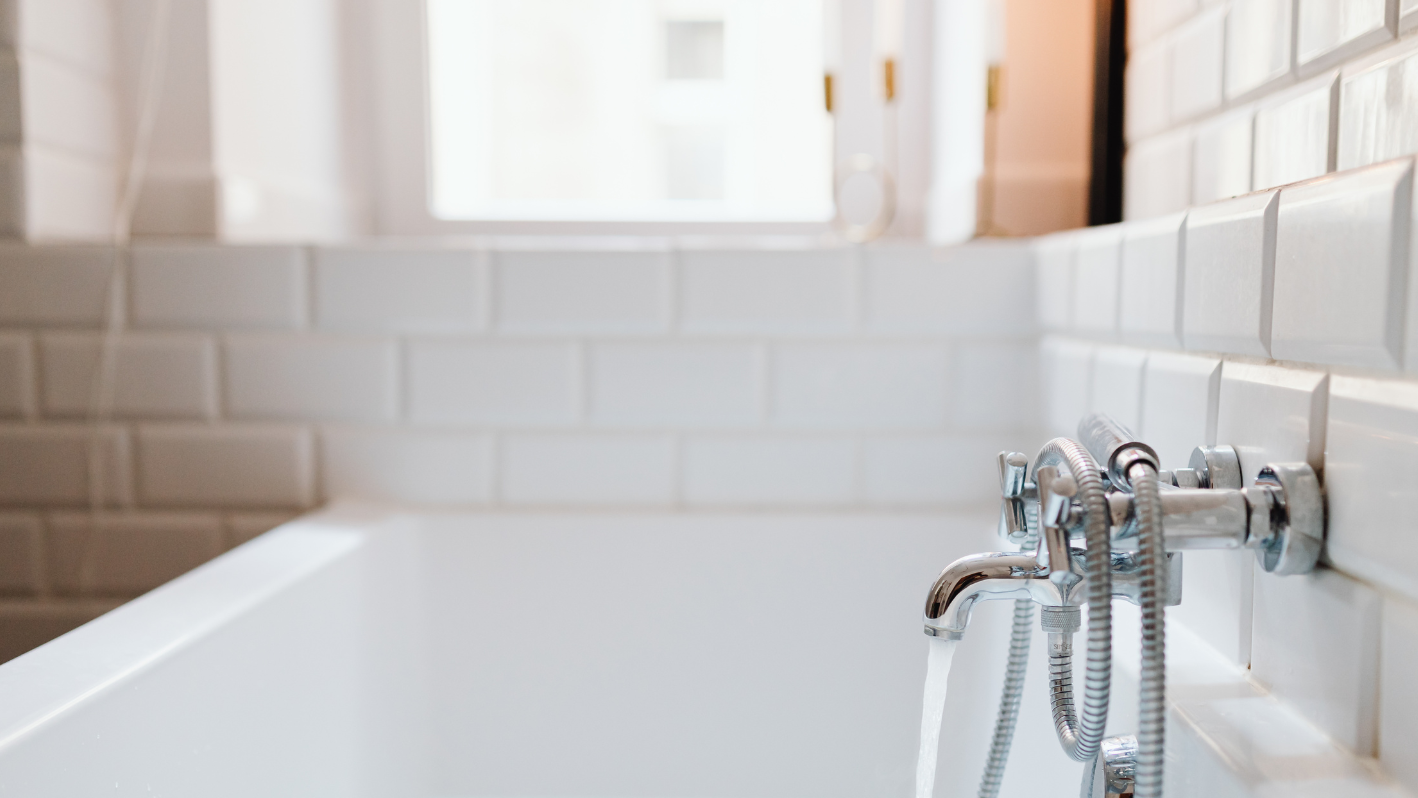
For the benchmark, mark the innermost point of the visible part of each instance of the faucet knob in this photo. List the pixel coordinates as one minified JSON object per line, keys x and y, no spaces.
{"x":1013,"y":467}
{"x":1014,"y":510}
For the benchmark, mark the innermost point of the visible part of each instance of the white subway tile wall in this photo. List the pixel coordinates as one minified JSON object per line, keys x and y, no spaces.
{"x":1398,"y":711}
{"x":1327,"y":31}
{"x":1258,"y":39}
{"x":1157,"y":175}
{"x":1221,"y":164}
{"x":877,"y":377}
{"x":1095,"y":281}
{"x":793,"y":292}
{"x":1151,"y":286}
{"x":414,"y":291}
{"x":1315,"y":644}
{"x":248,"y":384}
{"x":154,"y":375}
{"x":17,"y":375}
{"x":1319,"y":274}
{"x":1295,"y":134}
{"x":1229,"y":275}
{"x":218,"y":287}
{"x":262,"y":380}
{"x":1378,"y":101}
{"x":1118,"y":384}
{"x":560,"y":292}
{"x":1196,"y":68}
{"x":1372,"y":435}
{"x":1054,"y":258}
{"x":1351,"y":315}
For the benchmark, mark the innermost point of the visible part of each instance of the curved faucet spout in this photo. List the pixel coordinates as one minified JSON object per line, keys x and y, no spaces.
{"x":986,"y":577}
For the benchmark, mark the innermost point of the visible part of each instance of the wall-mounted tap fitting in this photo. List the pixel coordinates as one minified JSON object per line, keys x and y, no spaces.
{"x":1097,"y":519}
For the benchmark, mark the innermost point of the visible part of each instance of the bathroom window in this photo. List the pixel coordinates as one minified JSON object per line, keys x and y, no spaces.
{"x":627,"y":110}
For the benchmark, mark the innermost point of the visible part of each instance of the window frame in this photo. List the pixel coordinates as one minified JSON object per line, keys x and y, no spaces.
{"x":398,"y":164}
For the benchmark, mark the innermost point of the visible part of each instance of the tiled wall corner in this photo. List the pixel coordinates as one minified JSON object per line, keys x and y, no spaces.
{"x":1229,"y":272}
{"x":1354,"y":315}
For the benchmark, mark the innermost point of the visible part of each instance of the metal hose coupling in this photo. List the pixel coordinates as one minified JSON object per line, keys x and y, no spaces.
{"x":1080,"y":736}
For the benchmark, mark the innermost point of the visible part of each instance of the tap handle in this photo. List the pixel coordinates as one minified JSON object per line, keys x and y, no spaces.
{"x":1013,"y":467}
{"x":1014,"y":510}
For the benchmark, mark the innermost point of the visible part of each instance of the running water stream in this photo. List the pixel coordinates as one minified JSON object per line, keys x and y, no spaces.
{"x":942,"y":651}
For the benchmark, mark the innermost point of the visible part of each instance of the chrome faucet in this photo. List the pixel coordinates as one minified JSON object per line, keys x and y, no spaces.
{"x":1099,"y":519}
{"x":1280,"y":517}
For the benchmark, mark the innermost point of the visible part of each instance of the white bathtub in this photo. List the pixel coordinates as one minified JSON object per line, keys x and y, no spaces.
{"x":373,"y":652}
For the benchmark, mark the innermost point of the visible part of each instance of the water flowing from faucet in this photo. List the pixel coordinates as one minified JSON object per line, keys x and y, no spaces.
{"x":942,"y":651}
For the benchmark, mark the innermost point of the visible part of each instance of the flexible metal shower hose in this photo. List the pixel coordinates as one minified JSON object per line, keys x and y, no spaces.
{"x":1019,"y":637}
{"x":1151,"y":727}
{"x":1080,"y":737}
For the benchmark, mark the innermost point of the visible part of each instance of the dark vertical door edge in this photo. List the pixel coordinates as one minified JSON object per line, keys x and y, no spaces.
{"x":1105,"y":183}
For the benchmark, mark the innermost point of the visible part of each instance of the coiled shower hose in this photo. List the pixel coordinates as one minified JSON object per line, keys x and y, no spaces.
{"x":1020,"y":634}
{"x":1080,"y":737}
{"x":1080,"y":740}
{"x":1151,"y":727}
